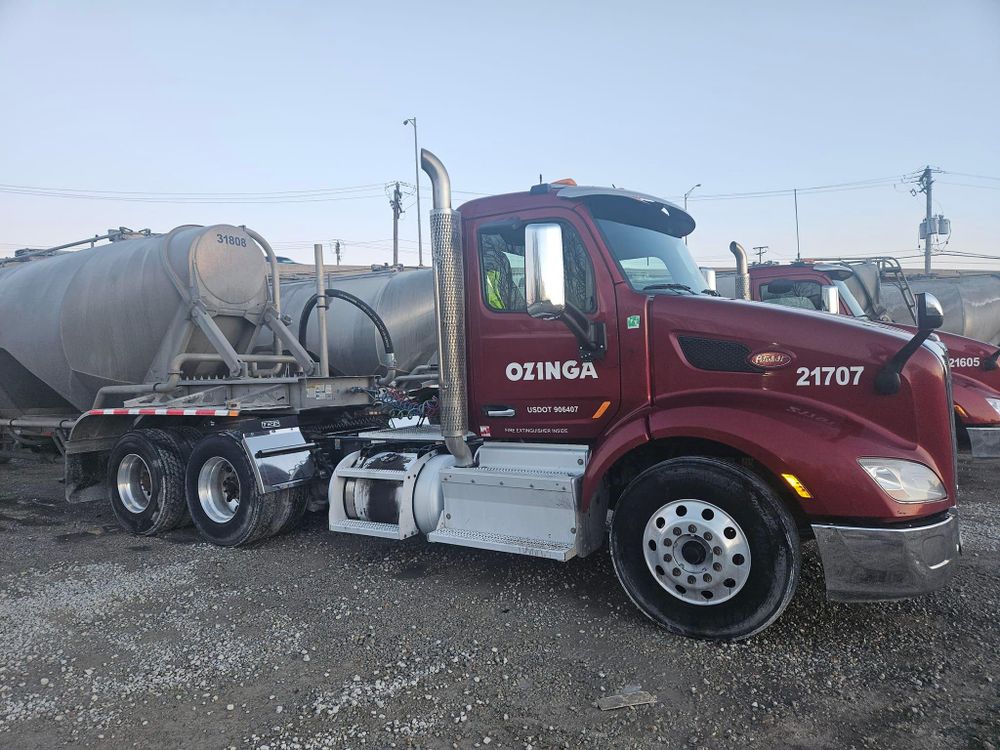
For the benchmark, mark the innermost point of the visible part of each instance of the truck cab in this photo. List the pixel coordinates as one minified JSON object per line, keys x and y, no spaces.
{"x":584,"y":371}
{"x":976,"y":376}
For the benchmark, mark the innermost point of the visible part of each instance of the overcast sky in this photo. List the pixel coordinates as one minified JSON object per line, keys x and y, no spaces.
{"x":252,"y":97}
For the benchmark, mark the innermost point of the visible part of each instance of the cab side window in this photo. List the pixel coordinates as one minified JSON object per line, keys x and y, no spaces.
{"x":802,"y":293}
{"x":501,"y":268}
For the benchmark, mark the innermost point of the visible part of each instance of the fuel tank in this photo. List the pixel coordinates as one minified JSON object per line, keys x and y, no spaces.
{"x":115,"y":314}
{"x":404,"y":300}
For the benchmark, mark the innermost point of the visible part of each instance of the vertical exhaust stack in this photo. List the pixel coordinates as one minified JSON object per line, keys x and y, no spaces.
{"x":742,"y":270}
{"x":449,"y":303}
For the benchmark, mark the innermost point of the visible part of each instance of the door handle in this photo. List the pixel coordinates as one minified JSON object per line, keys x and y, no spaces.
{"x":500,"y":412}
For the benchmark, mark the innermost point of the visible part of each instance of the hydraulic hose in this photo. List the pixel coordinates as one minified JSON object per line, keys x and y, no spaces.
{"x":364,"y":307}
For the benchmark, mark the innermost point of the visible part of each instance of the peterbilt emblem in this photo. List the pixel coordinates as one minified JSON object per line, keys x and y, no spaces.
{"x":770,"y":360}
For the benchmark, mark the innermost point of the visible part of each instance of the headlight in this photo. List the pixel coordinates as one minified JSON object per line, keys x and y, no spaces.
{"x":904,"y":481}
{"x":995,"y":403}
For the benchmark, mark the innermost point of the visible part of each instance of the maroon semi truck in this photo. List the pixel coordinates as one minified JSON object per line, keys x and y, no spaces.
{"x":844,"y":287}
{"x":586,"y":371}
{"x":579,"y":371}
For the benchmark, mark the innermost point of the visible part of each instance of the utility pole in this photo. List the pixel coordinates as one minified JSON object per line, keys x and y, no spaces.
{"x":416,"y":170}
{"x":397,"y":209}
{"x":798,"y":247}
{"x":925,"y":187}
{"x":761,"y":250}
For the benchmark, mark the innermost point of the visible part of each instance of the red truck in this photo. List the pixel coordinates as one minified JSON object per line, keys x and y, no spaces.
{"x":846,"y":287}
{"x":580,"y":372}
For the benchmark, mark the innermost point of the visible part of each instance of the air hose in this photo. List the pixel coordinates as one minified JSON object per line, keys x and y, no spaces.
{"x":364,"y":307}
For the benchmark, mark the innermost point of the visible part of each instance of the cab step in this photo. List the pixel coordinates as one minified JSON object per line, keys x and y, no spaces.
{"x":518,"y":545}
{"x":367,"y":528}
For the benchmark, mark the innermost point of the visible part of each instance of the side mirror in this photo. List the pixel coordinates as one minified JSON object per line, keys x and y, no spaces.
{"x":831,"y":299}
{"x":710,"y":279}
{"x":544,"y":274}
{"x":930,"y":314}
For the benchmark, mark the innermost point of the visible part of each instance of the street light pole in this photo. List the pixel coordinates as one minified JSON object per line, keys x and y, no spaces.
{"x":416,"y":170}
{"x":686,"y":204}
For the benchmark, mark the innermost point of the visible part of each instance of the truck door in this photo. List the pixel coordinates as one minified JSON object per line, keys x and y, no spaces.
{"x":527,"y":378}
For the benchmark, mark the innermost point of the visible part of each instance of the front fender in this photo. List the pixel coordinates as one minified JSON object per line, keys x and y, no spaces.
{"x":970,"y":400}
{"x":628,"y":433}
{"x":817,"y":443}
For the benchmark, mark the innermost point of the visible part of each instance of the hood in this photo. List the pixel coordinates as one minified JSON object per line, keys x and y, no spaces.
{"x":826,"y":364}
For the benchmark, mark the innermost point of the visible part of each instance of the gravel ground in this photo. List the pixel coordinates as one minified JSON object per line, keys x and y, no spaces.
{"x":320,"y":640}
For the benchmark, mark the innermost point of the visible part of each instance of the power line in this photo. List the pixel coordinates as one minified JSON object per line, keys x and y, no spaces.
{"x":209,"y":194}
{"x":311,"y":195}
{"x":831,"y":188}
{"x":974,"y":176}
{"x":190,"y":200}
{"x":969,"y":185}
{"x":360,"y":192}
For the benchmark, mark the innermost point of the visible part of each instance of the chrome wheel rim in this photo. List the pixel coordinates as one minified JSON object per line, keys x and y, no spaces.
{"x":219,"y":489}
{"x":696,"y":552}
{"x":135,"y":483}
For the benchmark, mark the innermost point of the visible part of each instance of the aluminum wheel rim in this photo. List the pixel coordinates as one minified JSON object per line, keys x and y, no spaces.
{"x":219,"y":489}
{"x":696,"y":552}
{"x":135,"y":483}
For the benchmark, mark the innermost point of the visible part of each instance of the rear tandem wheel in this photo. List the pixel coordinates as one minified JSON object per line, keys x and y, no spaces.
{"x":224,"y":500}
{"x":146,"y":481}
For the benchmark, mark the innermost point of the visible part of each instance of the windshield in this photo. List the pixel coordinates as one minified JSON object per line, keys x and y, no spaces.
{"x":848,"y":298}
{"x":652,"y":259}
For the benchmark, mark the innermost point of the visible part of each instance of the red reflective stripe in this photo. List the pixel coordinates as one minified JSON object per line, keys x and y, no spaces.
{"x":165,"y":412}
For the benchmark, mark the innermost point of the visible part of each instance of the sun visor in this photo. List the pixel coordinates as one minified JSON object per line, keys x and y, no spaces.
{"x":632,"y":208}
{"x":836,"y":271}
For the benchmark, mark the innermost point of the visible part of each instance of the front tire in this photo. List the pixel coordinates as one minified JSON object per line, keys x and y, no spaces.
{"x":705,"y":548}
{"x":225,"y":503}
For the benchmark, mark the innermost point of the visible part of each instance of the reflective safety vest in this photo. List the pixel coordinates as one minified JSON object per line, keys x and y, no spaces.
{"x":493,"y":290}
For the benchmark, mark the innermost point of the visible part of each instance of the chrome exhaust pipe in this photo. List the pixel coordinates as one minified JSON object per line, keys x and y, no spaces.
{"x":742,"y":270}
{"x":449,"y":304}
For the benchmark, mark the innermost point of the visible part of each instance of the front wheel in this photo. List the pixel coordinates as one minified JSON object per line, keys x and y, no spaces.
{"x":705,"y":548}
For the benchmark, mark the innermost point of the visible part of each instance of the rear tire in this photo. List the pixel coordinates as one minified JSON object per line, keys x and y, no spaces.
{"x":293,"y":505}
{"x":222,"y":494}
{"x":146,"y":482}
{"x":705,"y":549}
{"x":189,"y":435}
{"x":182,"y":439}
